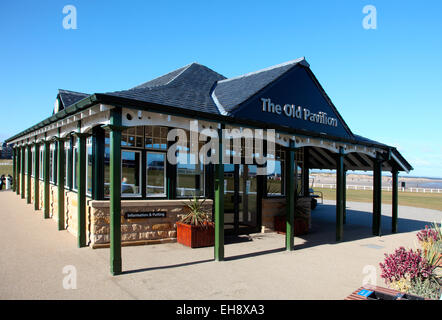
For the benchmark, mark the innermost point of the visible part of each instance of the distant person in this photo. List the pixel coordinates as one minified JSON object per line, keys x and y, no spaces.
{"x":10,"y":180}
{"x":2,"y":179}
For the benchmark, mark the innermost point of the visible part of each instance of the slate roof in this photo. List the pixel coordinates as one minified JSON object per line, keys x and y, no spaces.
{"x":186,"y":88}
{"x":68,"y":98}
{"x":231,"y":92}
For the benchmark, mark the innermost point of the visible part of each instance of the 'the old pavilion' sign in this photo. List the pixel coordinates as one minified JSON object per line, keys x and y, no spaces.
{"x":292,"y":111}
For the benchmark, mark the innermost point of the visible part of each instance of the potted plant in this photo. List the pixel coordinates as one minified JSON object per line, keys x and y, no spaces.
{"x":195,"y":229}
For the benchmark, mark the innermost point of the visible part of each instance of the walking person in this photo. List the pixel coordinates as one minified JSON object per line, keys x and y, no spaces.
{"x":2,"y":179}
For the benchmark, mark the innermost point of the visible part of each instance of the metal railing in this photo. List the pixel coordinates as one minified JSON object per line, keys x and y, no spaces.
{"x":370,"y":188}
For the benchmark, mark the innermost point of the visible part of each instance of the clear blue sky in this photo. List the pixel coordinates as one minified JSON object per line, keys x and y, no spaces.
{"x":386,"y":83}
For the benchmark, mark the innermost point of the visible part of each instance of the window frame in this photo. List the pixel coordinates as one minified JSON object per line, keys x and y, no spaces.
{"x":53,"y":165}
{"x":156,"y":195}
{"x":132,"y":195}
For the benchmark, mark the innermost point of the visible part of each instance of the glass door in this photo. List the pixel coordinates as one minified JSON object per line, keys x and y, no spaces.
{"x":230,"y":195}
{"x":240,"y":199}
{"x":248,"y":198}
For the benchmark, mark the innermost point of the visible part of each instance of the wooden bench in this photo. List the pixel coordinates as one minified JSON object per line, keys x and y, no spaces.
{"x":355,"y":296}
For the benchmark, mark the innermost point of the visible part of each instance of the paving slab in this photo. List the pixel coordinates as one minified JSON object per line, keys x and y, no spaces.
{"x":33,"y":254}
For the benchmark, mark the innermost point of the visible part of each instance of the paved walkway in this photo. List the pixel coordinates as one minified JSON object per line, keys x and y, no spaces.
{"x":33,"y":254}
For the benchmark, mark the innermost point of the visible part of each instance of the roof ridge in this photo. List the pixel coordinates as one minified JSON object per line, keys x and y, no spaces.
{"x":295,"y":61}
{"x":70,"y":91}
{"x":180,"y":73}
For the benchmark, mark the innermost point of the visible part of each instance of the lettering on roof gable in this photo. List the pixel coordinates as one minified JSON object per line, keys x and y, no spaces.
{"x":298,"y":112}
{"x":294,"y":100}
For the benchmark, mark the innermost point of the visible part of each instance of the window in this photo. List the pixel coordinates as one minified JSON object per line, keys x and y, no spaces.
{"x":135,"y":141}
{"x":133,"y":137}
{"x":89,"y":166}
{"x":67,"y":145}
{"x":190,"y":176}
{"x":107,"y":167}
{"x":130,"y":173}
{"x":156,"y":137}
{"x":41,"y":166}
{"x":155,"y":174}
{"x":74,"y":164}
{"x":32,"y":163}
{"x":276,"y":172}
{"x":52,"y":164}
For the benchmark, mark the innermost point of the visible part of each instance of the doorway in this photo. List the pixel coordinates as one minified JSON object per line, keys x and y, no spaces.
{"x":241,"y":199}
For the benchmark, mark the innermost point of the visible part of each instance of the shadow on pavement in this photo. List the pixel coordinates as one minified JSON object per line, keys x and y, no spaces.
{"x":323,"y":231}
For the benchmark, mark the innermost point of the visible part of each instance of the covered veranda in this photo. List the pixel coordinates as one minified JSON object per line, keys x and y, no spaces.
{"x":175,"y":100}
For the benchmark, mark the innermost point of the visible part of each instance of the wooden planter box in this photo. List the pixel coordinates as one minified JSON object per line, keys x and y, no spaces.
{"x":195,"y":237}
{"x":301,"y":225}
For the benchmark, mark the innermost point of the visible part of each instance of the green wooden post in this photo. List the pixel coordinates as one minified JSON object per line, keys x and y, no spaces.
{"x":13,"y":168}
{"x":36,"y":176}
{"x":28,"y":173}
{"x":394,"y":213}
{"x":23,"y":162}
{"x":344,"y":197}
{"x":60,"y":183}
{"x":290,"y":198}
{"x":340,"y":195}
{"x":377,"y":201}
{"x":219,"y":200}
{"x":17,"y":170}
{"x":46,"y":179}
{"x":115,"y":191}
{"x":81,"y":189}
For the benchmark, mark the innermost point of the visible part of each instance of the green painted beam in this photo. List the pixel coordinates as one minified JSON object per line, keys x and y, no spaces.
{"x":394,"y":213}
{"x":344,"y":196}
{"x":60,"y":183}
{"x":28,"y":174}
{"x":46,"y":204}
{"x":219,"y":201}
{"x":17,"y":170}
{"x":81,"y":189}
{"x":377,"y":200}
{"x":340,"y":195}
{"x":22,"y":180}
{"x":13,"y":168}
{"x":36,"y":177}
{"x":290,"y":198}
{"x":115,"y":191}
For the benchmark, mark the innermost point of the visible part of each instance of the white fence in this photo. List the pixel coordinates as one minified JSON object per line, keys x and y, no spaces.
{"x":356,"y":187}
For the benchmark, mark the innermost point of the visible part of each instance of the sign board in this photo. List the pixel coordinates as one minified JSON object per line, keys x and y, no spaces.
{"x":365,"y":293}
{"x":145,"y":214}
{"x":294,"y":100}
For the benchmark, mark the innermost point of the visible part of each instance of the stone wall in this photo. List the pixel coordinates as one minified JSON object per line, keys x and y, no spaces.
{"x":272,"y":207}
{"x":137,"y":231}
{"x":41,"y":191}
{"x":71,"y":212}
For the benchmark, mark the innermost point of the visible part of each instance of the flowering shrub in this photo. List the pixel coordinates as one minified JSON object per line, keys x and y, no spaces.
{"x":403,"y":264}
{"x":427,"y":237}
{"x":416,"y":272}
